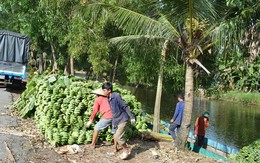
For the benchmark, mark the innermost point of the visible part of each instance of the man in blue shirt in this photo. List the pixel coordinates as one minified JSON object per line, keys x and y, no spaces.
{"x":121,"y":114}
{"x":177,"y":117}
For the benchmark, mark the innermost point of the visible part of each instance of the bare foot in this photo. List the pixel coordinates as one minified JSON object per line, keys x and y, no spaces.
{"x":92,"y":146}
{"x":116,"y":150}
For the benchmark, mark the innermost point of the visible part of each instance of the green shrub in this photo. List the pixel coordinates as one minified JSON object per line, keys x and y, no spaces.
{"x":249,"y":153}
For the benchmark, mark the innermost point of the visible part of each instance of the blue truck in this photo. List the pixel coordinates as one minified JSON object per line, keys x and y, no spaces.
{"x":14,"y":53}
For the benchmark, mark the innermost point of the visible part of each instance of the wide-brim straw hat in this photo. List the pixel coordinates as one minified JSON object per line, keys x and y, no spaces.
{"x":99,"y":91}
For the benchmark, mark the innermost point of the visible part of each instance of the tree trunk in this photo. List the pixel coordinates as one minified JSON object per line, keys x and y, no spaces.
{"x":54,"y":61}
{"x":157,"y":106}
{"x":67,"y":67}
{"x":114,"y":71}
{"x":186,"y":122}
{"x":41,"y":66}
{"x":44,"y":61}
{"x":72,"y":66}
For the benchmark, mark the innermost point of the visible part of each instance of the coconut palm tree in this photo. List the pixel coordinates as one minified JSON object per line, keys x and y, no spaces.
{"x":188,"y":27}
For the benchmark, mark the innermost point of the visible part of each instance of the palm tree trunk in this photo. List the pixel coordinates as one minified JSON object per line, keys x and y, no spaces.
{"x":157,"y":106}
{"x":186,"y":122}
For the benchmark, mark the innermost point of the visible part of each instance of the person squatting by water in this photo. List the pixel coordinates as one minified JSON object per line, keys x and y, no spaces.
{"x":200,"y":127}
{"x":121,"y":114}
{"x":101,"y":105}
{"x":177,"y":117}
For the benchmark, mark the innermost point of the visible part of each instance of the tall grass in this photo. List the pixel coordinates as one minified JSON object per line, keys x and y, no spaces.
{"x":245,"y":98}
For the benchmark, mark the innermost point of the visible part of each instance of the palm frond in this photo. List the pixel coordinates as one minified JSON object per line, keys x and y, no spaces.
{"x":194,"y":60}
{"x":138,"y":24}
{"x":168,"y":25}
{"x":179,"y":11}
{"x":204,"y":10}
{"x":95,"y":11}
{"x":207,"y":32}
{"x":201,"y":9}
{"x":123,"y":42}
{"x":133,"y":23}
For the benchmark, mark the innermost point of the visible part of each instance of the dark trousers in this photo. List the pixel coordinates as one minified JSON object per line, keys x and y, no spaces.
{"x":172,"y":129}
{"x":200,"y":140}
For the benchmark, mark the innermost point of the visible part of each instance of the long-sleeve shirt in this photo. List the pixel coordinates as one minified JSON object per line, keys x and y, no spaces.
{"x":200,"y":126}
{"x":178,"y":114}
{"x":101,"y":105}
{"x":120,"y":110}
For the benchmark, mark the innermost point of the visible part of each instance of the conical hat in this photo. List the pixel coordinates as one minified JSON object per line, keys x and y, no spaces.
{"x":98,"y":91}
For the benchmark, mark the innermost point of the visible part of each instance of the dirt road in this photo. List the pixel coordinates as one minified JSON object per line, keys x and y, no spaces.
{"x":21,"y":142}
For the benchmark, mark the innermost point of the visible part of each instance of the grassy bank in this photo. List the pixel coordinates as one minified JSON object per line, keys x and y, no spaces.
{"x":241,"y":97}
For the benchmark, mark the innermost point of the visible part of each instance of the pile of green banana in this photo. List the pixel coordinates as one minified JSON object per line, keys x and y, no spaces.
{"x":61,"y":106}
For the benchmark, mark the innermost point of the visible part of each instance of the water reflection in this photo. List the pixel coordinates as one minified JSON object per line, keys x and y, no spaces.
{"x":232,"y":124}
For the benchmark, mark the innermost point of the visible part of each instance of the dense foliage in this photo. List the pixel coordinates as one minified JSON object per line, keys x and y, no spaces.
{"x":61,"y":106}
{"x":249,"y":153}
{"x":60,"y":32}
{"x":238,"y":48}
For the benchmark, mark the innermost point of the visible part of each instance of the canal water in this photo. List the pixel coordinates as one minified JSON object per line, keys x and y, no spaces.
{"x":233,"y":124}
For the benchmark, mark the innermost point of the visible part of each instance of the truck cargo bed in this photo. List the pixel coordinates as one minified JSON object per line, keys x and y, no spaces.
{"x":12,"y":69}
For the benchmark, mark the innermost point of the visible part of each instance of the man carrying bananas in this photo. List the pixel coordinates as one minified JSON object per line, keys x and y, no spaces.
{"x":121,"y":114}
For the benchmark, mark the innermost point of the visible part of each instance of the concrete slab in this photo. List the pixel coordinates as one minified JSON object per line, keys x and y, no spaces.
{"x":18,"y":146}
{"x":5,"y":97}
{"x":8,"y":121}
